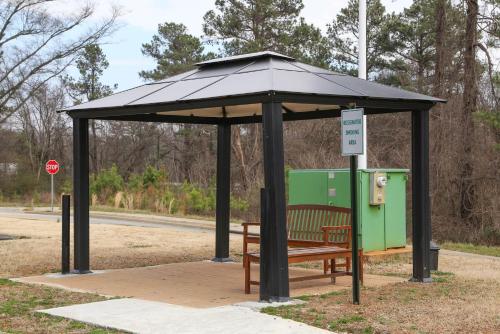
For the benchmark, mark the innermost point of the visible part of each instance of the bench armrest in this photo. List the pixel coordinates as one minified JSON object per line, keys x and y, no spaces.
{"x":250,"y":224}
{"x":245,"y":229}
{"x":344,"y":231}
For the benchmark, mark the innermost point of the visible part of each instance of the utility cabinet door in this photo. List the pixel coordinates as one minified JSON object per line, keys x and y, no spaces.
{"x":307,"y":187}
{"x":371,"y":217}
{"x":339,"y":189}
{"x":395,"y":210}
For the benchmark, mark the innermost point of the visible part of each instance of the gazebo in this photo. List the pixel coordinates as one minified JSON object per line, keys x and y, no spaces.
{"x":267,"y":88}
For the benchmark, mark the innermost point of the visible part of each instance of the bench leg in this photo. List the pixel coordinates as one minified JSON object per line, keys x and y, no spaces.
{"x":347,"y":264}
{"x":332,"y":270}
{"x":246,"y":263}
{"x":245,"y":248}
{"x":325,"y":266}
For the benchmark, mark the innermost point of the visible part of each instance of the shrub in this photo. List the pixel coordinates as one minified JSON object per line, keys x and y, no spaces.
{"x":67,"y":186}
{"x":169,"y":202}
{"x":106,"y":184}
{"x":35,"y":197}
{"x":194,"y":200}
{"x":153,"y":177}
{"x":134,"y":183}
{"x":239,"y":204}
{"x":151,"y":191}
{"x":211,"y":198}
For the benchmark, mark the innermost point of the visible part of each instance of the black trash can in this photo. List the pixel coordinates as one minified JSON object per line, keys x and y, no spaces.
{"x":434,"y":256}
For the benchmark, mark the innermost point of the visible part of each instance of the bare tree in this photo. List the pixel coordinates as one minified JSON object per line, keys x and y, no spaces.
{"x":440,"y":47}
{"x":42,"y":127}
{"x":467,"y":192}
{"x":37,"y":46}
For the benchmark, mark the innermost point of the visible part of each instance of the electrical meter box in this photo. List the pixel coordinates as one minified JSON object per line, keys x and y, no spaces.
{"x":381,"y":200}
{"x":378,"y":181}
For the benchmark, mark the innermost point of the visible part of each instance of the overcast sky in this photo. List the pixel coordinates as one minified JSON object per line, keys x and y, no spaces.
{"x":141,"y":18}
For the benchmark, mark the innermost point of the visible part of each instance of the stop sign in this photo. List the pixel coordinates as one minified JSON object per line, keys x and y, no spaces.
{"x":52,"y":167}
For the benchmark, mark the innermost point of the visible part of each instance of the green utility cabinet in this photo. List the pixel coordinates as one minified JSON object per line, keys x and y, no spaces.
{"x":382,"y":226}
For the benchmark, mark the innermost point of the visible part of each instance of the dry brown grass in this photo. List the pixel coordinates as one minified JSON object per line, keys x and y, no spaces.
{"x":465,"y":298}
{"x":37,"y":247}
{"x":451,"y":305}
{"x":466,"y":265}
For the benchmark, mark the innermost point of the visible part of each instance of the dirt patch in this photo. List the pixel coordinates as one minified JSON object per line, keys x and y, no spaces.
{"x":450,"y":305}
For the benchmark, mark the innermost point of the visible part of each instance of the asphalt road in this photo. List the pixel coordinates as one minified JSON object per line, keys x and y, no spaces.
{"x":17,"y":212}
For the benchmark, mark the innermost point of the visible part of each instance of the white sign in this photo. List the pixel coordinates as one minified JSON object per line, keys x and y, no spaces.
{"x":352,"y":131}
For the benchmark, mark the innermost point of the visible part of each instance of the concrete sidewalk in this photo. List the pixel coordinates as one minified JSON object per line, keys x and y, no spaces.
{"x":140,"y":316}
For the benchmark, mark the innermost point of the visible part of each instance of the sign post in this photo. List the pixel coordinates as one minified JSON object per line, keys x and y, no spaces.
{"x":352,"y":122}
{"x":52,"y":167}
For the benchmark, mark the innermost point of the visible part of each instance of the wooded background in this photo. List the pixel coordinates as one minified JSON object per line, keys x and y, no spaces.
{"x":442,"y":48}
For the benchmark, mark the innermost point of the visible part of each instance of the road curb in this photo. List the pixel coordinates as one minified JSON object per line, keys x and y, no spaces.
{"x":206,"y":225}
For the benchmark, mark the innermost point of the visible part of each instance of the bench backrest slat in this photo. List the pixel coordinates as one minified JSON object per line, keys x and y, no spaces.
{"x":304,"y":222}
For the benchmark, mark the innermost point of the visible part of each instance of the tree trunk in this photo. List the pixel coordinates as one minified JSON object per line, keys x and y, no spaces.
{"x":420,"y":77}
{"x":467,"y":189}
{"x":240,"y":155}
{"x":420,"y":64}
{"x":440,"y":48}
{"x":187,"y":151}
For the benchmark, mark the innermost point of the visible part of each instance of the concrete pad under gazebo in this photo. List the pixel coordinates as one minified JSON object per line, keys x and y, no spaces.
{"x":180,"y":283}
{"x":266,"y":88}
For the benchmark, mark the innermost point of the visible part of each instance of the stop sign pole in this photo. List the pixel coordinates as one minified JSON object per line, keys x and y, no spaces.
{"x":52,"y":167}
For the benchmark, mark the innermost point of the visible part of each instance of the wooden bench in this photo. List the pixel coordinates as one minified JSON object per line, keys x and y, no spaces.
{"x":297,"y":255}
{"x":305,"y":226}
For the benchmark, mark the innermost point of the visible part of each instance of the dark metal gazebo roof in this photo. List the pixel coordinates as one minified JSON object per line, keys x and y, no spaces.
{"x":233,"y":88}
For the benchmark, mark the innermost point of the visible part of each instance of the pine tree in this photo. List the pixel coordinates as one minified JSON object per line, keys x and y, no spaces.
{"x":91,"y":64}
{"x":343,"y":34}
{"x":174,"y":50}
{"x":244,"y":26}
{"x":413,"y":35}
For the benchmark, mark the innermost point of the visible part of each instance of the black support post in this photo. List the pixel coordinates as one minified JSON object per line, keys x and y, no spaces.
{"x":222,"y":210}
{"x":263,"y":284}
{"x":81,"y":193}
{"x":421,"y":211}
{"x":273,"y":243}
{"x":65,"y":239}
{"x":355,"y":229}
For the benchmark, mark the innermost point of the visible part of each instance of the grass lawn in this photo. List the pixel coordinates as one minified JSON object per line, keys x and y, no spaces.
{"x":470,"y":248}
{"x":449,"y":305}
{"x":19,"y":303}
